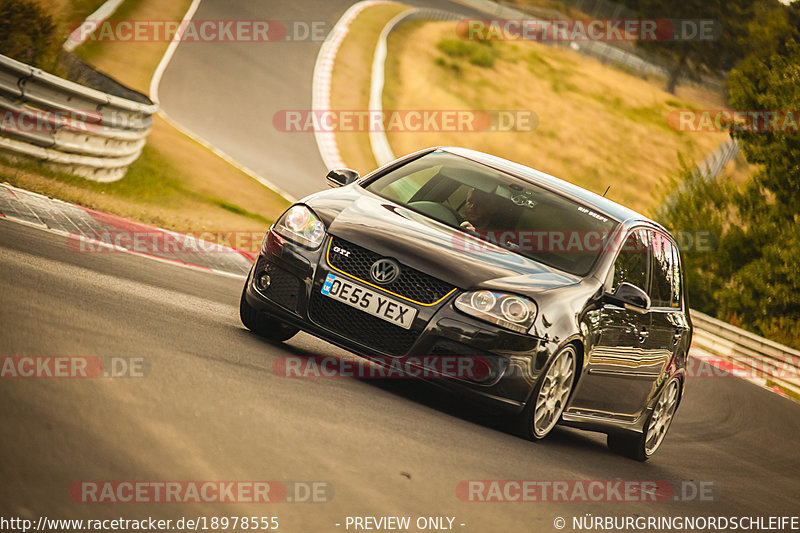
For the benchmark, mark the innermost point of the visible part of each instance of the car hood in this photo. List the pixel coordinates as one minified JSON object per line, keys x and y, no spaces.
{"x":372,"y":222}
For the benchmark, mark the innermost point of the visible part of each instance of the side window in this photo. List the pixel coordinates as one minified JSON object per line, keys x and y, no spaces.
{"x":676,"y":278}
{"x":632,"y":261}
{"x":661,"y":286}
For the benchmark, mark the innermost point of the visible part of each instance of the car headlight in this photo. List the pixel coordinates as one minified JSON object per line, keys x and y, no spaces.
{"x":506,"y":310}
{"x":301,"y":225}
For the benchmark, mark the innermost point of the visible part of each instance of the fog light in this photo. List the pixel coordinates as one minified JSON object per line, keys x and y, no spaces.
{"x":263,"y":281}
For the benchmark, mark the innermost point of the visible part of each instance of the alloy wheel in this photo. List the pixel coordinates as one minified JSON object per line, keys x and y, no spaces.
{"x":554,"y":392}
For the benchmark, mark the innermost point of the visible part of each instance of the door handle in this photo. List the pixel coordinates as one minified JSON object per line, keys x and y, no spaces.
{"x":643,"y":334}
{"x":677,"y":336}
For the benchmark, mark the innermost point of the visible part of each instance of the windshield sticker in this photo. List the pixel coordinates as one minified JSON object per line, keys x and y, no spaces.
{"x":592,"y":214}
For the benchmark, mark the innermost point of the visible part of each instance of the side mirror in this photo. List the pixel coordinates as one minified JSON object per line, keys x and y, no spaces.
{"x":339,"y":177}
{"x":629,"y":296}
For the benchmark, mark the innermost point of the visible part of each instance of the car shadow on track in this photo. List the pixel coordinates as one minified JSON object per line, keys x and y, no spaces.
{"x":426,"y":393}
{"x":583,"y":450}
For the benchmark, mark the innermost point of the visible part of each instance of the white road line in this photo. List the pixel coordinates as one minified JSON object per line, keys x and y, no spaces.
{"x":156,"y":80}
{"x":79,"y":35}
{"x":173,"y":45}
{"x":381,"y":149}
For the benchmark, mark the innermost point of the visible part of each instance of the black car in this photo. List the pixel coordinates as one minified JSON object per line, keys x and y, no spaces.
{"x":575,"y":305}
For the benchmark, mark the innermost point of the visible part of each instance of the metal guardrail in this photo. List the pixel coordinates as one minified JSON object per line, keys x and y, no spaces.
{"x":759,"y":357}
{"x":601,"y":51}
{"x":709,"y":168}
{"x":74,"y":128}
{"x":716,"y":160}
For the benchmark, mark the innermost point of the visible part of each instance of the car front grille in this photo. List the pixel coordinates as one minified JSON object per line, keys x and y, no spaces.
{"x":284,"y":288}
{"x":360,"y":326}
{"x":411,"y":284}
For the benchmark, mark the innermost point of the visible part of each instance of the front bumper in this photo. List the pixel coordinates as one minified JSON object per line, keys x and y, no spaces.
{"x":439,"y":330}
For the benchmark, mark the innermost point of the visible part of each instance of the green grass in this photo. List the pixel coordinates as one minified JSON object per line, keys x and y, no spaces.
{"x":76,"y":11}
{"x":597,"y":125}
{"x":150,"y":181}
{"x":479,"y":53}
{"x":148,"y":178}
{"x":240,"y":210}
{"x":90,"y":50}
{"x":351,"y":79}
{"x":175,"y":183}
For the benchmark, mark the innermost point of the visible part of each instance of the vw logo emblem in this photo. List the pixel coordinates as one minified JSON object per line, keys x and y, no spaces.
{"x":384,"y":271}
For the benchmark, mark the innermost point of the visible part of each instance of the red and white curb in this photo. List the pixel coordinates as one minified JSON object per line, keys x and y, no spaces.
{"x":81,"y":226}
{"x":726,"y":367}
{"x":323,"y":73}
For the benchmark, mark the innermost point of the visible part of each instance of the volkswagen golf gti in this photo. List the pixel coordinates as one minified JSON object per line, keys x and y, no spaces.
{"x":574,"y":306}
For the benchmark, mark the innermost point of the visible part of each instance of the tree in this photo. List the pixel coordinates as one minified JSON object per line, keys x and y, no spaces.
{"x":692,"y":54}
{"x":772,"y":84}
{"x":699,"y":206}
{"x":753,"y":276}
{"x":765,"y":294}
{"x":28,"y":34}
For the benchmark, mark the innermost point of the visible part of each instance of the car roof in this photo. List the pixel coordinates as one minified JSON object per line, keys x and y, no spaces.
{"x":623,"y":214}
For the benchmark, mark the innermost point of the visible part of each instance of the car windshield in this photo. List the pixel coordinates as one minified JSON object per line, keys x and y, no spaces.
{"x":499,"y":208}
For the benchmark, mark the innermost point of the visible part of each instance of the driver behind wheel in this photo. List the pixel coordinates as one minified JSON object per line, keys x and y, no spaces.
{"x":480,"y":209}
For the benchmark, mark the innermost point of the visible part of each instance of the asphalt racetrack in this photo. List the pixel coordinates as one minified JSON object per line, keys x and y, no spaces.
{"x":211,"y":406}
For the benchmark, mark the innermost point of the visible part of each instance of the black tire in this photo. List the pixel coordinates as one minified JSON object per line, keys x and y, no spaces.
{"x":263,"y":324}
{"x":525,"y":423}
{"x":631,"y":447}
{"x":636,"y":446}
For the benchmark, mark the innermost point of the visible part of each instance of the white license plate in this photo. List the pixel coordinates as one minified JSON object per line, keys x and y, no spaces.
{"x":369,"y":301}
